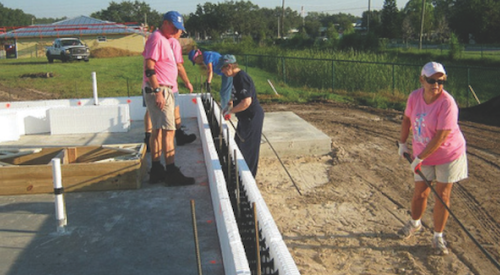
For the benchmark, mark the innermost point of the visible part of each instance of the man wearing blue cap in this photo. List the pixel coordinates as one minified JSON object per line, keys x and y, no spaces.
{"x":211,"y":59}
{"x":159,"y":78}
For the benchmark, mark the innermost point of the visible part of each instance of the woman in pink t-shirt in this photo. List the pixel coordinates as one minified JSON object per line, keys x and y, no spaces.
{"x":431,"y":116}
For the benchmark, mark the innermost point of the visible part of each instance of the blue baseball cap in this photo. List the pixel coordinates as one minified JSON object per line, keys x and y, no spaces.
{"x":176,"y":19}
{"x":193,"y":54}
{"x":224,"y":60}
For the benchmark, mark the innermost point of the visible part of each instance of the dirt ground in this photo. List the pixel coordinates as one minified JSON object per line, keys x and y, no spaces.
{"x":356,"y":198}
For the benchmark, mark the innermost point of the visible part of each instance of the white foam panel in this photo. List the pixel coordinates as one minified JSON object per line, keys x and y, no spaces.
{"x":284,"y":262}
{"x":89,"y":119}
{"x":233,"y":252}
{"x":9,"y":121}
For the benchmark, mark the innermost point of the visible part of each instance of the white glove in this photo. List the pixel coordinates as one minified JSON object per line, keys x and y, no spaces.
{"x":415,"y":165}
{"x":403,"y":149}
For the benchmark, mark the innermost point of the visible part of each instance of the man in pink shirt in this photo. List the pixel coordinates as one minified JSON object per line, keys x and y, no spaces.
{"x":159,"y":79}
{"x":181,"y":137}
{"x":438,"y":146}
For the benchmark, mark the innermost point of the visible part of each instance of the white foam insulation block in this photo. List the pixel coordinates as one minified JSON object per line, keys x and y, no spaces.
{"x":89,"y":119}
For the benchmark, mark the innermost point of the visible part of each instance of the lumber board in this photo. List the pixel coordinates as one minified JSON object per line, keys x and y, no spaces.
{"x":76,"y":176}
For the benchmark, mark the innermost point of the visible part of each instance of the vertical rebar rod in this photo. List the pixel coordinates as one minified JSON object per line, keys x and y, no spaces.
{"x":128,"y":89}
{"x":236,"y":174}
{"x":220,"y":129}
{"x":228,"y":158}
{"x":195,"y":232}
{"x":257,"y":239}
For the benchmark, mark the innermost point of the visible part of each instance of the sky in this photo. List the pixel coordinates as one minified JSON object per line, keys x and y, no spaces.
{"x":74,"y":8}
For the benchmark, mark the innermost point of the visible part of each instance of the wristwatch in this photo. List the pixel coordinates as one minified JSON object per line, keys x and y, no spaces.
{"x":157,"y":90}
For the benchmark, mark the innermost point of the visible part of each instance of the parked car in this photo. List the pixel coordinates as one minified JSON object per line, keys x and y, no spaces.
{"x":68,"y":49}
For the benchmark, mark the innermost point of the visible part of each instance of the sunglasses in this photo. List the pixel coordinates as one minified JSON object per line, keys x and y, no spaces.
{"x":434,"y":81}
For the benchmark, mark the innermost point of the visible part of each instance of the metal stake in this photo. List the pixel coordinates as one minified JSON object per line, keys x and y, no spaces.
{"x":195,"y":232}
{"x":257,"y":239}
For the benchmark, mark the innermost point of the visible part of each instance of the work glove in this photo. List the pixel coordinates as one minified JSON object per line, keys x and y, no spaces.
{"x":403,"y":149}
{"x":227,"y":112}
{"x":416,"y":164}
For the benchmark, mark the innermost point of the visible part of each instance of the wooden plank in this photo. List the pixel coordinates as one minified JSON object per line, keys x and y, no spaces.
{"x":40,"y":158}
{"x":474,"y":94}
{"x":71,"y":154}
{"x":36,"y":179}
{"x":75,"y":177}
{"x":89,"y":154}
{"x":5,"y":164}
{"x":18,"y":152}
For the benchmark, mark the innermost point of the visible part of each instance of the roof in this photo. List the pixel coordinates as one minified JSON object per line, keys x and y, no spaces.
{"x":78,"y":26}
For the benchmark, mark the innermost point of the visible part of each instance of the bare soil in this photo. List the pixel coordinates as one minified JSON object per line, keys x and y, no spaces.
{"x":356,"y":198}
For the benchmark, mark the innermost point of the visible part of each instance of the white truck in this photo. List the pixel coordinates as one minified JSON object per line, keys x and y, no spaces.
{"x":68,"y":49}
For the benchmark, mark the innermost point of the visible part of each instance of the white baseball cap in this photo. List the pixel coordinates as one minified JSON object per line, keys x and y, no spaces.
{"x":432,"y":68}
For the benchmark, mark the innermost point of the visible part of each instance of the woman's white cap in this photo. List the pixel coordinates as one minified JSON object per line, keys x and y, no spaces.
{"x":432,"y":68}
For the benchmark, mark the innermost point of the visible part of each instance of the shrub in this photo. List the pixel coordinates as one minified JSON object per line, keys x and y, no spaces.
{"x":455,"y":48}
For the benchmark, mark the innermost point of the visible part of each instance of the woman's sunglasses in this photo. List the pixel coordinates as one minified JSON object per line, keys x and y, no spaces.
{"x":434,"y":81}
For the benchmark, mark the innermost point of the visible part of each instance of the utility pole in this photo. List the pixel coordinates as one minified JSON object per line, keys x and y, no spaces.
{"x":368,"y":17}
{"x":422,"y":25}
{"x":303,"y":17}
{"x":279,"y":24}
{"x":283,"y":18}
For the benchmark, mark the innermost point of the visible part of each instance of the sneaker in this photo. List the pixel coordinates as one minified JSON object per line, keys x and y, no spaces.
{"x":439,"y":245}
{"x":182,"y":138}
{"x":174,"y":177}
{"x":408,"y":230}
{"x":157,"y":173}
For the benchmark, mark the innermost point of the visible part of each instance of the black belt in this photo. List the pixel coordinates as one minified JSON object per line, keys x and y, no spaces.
{"x":149,"y":90}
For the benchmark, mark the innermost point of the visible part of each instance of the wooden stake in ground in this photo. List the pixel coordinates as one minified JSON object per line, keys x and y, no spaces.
{"x":474,"y":94}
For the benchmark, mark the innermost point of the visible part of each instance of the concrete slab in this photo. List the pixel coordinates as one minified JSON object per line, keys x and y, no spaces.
{"x":290,"y":135}
{"x":145,"y":231}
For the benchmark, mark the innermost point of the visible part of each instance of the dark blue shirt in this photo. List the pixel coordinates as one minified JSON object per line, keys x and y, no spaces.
{"x":244,"y":87}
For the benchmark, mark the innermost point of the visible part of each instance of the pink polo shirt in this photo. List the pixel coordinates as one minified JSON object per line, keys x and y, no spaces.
{"x":158,"y":49}
{"x":427,"y":119}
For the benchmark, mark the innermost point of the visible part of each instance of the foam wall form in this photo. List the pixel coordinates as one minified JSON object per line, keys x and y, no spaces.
{"x":233,"y":252}
{"x":89,"y":119}
{"x":283,"y":261}
{"x":136,"y":110}
{"x":8,"y":120}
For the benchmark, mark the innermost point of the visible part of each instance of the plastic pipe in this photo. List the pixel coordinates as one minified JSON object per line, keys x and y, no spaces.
{"x":94,"y":86}
{"x":60,"y":207}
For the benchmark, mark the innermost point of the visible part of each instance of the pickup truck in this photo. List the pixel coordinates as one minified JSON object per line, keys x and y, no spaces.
{"x":67,"y":49}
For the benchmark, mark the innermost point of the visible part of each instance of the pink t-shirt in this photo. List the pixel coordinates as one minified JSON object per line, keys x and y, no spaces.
{"x":158,"y":49}
{"x":427,"y":119}
{"x":177,"y":49}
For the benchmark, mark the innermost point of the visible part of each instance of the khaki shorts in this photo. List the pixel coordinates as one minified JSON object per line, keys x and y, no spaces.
{"x":165,"y":118}
{"x":446,"y":173}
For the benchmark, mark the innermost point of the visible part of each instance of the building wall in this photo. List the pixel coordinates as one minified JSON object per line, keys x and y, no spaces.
{"x":131,"y":42}
{"x":36,"y":47}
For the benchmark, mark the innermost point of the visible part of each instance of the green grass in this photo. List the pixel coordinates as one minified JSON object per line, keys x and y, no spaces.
{"x":375,"y":80}
{"x":119,"y":76}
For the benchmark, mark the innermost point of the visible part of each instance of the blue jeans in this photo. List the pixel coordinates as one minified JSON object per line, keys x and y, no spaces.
{"x":225,"y":90}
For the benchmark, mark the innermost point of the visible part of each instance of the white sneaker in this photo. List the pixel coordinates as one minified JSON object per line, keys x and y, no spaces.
{"x":439,"y":245}
{"x":408,"y":230}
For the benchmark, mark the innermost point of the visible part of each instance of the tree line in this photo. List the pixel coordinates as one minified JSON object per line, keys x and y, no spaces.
{"x":469,"y":20}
